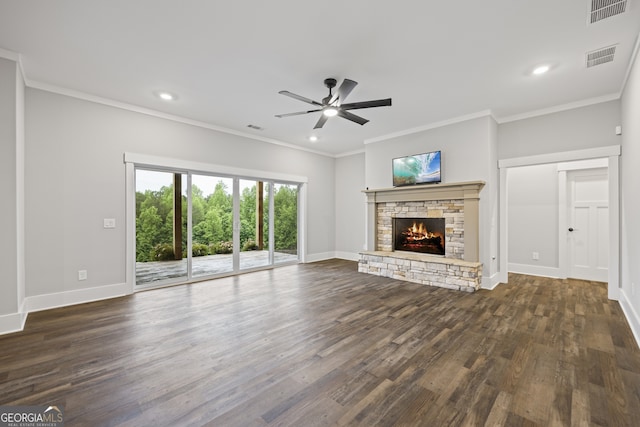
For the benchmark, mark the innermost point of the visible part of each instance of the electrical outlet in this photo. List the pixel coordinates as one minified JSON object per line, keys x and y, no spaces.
{"x":82,"y":274}
{"x":535,"y":256}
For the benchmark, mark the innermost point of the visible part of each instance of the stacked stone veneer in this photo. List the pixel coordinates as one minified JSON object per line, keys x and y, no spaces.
{"x":451,"y":210}
{"x":458,"y":269}
{"x":419,"y":268}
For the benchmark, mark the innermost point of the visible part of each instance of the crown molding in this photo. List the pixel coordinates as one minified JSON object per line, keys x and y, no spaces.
{"x":349,"y":153}
{"x":558,"y":108}
{"x":632,"y":61}
{"x":154,"y":113}
{"x":8,"y":54}
{"x":17,"y":58}
{"x":434,"y":125}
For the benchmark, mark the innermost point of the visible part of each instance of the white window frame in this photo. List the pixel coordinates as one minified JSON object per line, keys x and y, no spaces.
{"x":136,"y":160}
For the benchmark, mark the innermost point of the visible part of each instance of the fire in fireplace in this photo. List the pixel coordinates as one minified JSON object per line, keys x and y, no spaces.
{"x":423,"y":235}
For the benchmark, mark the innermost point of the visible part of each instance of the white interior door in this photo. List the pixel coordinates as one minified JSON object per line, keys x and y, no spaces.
{"x":588,"y":220}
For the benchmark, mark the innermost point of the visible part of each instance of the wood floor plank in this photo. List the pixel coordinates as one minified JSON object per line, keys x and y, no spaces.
{"x":357,"y":412}
{"x":580,"y":409}
{"x":499,"y":410}
{"x":481,"y":402}
{"x":320,"y":344}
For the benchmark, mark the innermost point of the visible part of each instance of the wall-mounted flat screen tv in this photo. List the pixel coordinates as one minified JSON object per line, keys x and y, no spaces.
{"x":417,"y":169}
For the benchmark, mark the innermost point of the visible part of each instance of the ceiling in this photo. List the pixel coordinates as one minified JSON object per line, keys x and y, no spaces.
{"x":227,"y":61}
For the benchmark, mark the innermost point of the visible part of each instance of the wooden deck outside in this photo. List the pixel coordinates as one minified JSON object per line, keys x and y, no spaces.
{"x":150,"y":272}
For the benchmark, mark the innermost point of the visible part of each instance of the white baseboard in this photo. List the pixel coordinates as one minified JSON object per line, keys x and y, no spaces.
{"x":323,"y":256}
{"x":78,"y":296}
{"x":490,"y":282}
{"x":13,"y":322}
{"x":631,"y":314}
{"x":351,"y":256}
{"x":534,"y":270}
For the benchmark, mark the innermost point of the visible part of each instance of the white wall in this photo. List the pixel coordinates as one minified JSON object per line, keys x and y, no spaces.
{"x":75,"y":177}
{"x":468,"y":154}
{"x":464,"y":145}
{"x":350,"y":206}
{"x":532,"y":193}
{"x":8,"y":185}
{"x":630,"y":195}
{"x":577,"y":129}
{"x":20,"y":183}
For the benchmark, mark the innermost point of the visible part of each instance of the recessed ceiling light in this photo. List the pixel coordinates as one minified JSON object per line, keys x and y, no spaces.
{"x":313,"y":138}
{"x":541,"y":70}
{"x":166,"y":96}
{"x":330,"y":112}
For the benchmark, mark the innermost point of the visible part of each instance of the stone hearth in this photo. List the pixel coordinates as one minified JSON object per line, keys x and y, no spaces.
{"x":457,"y":203}
{"x":429,"y":270}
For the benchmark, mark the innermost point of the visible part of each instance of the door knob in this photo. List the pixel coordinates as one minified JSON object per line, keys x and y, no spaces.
{"x":570,"y":228}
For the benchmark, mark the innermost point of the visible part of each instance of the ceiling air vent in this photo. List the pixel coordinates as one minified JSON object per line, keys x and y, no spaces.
{"x":603,"y":9}
{"x":600,"y":56}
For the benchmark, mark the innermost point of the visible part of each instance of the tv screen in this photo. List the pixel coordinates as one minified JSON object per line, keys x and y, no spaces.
{"x":417,"y":169}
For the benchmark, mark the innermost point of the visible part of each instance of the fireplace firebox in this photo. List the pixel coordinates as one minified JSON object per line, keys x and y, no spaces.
{"x":422,"y":235}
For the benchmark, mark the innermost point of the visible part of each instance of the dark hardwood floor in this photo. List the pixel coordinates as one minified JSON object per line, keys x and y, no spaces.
{"x":320,"y":344}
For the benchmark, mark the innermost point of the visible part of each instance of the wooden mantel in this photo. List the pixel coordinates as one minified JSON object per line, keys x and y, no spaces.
{"x":446,"y":191}
{"x":469,"y":192}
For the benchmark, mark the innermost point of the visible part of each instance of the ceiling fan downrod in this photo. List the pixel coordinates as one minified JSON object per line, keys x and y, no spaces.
{"x":330,"y":83}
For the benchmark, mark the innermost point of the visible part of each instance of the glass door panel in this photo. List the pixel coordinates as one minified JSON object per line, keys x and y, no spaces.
{"x":285,"y":222}
{"x":161,"y":227}
{"x":191,"y":226}
{"x":212,"y":225}
{"x":254,"y":218}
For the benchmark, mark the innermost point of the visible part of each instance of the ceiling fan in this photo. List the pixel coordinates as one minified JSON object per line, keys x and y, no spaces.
{"x":332,"y":105}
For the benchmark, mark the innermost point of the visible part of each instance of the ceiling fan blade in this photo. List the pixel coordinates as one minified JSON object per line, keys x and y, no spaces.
{"x":367,"y":104}
{"x":321,"y":121}
{"x":343,"y":91}
{"x":349,"y":116}
{"x":299,"y":97}
{"x":296,"y":114}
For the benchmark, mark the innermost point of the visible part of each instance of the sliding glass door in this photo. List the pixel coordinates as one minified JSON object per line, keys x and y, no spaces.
{"x":211,"y":225}
{"x":193,"y":226}
{"x":285,"y":224}
{"x":161,"y":227}
{"x":254,"y":220}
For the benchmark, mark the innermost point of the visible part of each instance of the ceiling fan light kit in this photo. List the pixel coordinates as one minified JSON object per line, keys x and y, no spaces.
{"x":330,"y":112}
{"x":332,"y":105}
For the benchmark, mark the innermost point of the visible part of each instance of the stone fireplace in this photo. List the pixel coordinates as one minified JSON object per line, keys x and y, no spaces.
{"x":449,"y":213}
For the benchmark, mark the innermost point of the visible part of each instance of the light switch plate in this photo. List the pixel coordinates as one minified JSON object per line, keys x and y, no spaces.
{"x":109,"y":223}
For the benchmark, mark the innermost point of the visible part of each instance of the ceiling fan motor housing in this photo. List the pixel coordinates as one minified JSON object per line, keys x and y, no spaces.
{"x":330,"y":83}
